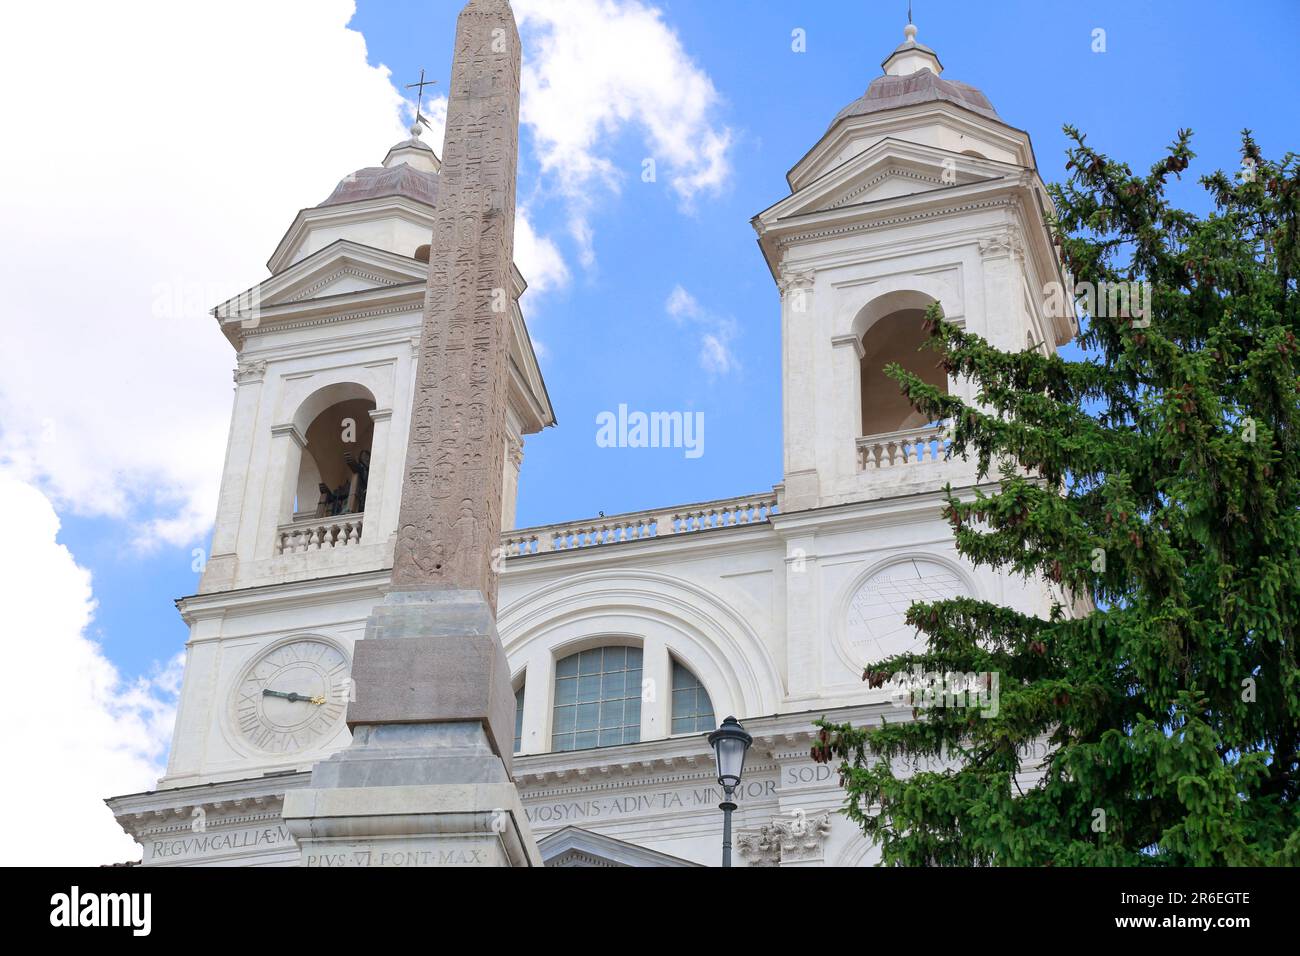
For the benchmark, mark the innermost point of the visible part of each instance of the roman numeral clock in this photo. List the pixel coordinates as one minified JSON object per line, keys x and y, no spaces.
{"x":292,"y":697}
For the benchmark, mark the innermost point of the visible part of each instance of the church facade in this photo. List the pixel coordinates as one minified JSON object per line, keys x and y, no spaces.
{"x":629,"y":637}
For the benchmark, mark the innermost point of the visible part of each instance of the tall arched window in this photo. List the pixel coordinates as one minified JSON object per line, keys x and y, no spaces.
{"x":597,"y":699}
{"x":692,"y":708}
{"x":335,"y":468}
{"x":896,"y":338}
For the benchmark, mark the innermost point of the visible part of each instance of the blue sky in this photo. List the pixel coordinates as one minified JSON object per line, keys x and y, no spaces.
{"x":606,"y":334}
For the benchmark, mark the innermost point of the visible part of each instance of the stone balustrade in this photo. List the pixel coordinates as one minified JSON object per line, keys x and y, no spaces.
{"x":319,"y":534}
{"x":911,"y":446}
{"x":640,"y":525}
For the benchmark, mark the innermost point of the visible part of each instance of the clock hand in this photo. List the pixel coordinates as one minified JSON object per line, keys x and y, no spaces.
{"x":294,"y":696}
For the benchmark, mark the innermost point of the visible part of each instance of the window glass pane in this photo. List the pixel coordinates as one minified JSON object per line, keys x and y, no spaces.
{"x":597,"y":699}
{"x":519,"y":717}
{"x":566,"y":691}
{"x":692,"y":708}
{"x":589,"y":688}
{"x":613,"y":685}
{"x":565,"y":719}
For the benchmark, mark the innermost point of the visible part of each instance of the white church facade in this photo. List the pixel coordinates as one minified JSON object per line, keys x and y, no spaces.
{"x":629,"y":637}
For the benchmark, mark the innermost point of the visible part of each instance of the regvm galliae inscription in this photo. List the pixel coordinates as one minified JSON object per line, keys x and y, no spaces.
{"x":450,"y":519}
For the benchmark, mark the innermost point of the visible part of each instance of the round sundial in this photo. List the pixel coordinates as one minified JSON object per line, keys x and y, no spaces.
{"x":876,"y":628}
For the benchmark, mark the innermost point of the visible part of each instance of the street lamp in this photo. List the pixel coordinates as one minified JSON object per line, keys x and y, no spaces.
{"x":729,"y":743}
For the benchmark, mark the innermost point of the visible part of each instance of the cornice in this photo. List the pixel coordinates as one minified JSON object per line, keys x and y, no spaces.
{"x":849,"y":228}
{"x":292,"y":594}
{"x":415,"y":301}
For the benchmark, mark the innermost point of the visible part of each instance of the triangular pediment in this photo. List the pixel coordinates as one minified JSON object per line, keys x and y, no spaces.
{"x":576,"y":847}
{"x":341,"y":268}
{"x":890,"y":169}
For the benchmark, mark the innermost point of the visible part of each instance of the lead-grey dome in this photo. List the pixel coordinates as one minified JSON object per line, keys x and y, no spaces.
{"x":376,"y":182}
{"x":890,"y":92}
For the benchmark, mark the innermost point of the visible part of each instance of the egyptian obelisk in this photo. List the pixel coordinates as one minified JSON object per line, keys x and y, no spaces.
{"x":426,"y":780}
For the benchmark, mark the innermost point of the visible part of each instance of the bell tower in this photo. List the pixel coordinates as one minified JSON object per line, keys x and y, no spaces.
{"x":918,"y":192}
{"x":303,"y":544}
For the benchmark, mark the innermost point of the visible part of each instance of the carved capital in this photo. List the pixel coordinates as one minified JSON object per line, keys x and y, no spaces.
{"x":796,"y":280}
{"x":1004,"y":244}
{"x":787,"y":839}
{"x":248,"y":372}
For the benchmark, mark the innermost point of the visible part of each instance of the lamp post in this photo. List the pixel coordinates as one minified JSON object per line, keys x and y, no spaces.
{"x":729,"y":743}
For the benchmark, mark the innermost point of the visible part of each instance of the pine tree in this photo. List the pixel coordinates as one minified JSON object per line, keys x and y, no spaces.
{"x":1158,"y":479}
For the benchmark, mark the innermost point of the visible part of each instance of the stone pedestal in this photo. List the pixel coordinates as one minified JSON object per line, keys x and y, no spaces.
{"x":426,"y":780}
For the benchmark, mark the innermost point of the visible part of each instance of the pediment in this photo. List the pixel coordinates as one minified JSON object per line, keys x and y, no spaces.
{"x":342,"y":271}
{"x":576,"y":847}
{"x":890,"y":169}
{"x":341,"y":268}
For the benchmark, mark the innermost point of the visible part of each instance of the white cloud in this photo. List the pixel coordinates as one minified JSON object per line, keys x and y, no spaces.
{"x":716,"y":332}
{"x":537,"y":256}
{"x":78,"y":732}
{"x":593,"y":68}
{"x":152,"y":182}
{"x":127,"y":220}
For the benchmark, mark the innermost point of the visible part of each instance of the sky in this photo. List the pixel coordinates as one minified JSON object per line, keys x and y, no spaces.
{"x":156,"y":152}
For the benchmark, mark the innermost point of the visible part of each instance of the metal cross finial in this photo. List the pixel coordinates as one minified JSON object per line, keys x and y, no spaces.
{"x":419,"y":100}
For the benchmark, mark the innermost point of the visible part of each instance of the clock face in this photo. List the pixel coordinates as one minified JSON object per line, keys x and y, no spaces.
{"x":876,"y":627}
{"x":292,"y":697}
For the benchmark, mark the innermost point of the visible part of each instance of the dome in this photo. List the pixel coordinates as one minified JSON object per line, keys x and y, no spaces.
{"x":375,"y":182}
{"x":890,"y":92}
{"x":912,"y":76}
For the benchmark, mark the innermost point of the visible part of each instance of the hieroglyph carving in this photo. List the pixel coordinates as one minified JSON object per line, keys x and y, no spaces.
{"x":450,"y":515}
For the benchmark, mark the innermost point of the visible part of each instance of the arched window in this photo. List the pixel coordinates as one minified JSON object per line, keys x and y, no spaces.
{"x":597,"y":699}
{"x":335,"y":468}
{"x":519,"y":717}
{"x":692,"y":708}
{"x":896,"y":338}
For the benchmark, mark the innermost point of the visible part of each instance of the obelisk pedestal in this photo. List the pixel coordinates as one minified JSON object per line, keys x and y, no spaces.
{"x":427,"y":778}
{"x":426,"y":781}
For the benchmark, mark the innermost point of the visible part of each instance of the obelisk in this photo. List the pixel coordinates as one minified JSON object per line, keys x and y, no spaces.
{"x":426,"y":780}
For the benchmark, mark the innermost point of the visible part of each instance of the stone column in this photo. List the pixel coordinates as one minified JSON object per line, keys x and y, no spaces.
{"x":379,"y":507}
{"x":803,"y":628}
{"x":846,"y":360}
{"x":510,"y":491}
{"x":799,"y":397}
{"x":426,"y":781}
{"x":287,"y":444}
{"x":221,"y":567}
